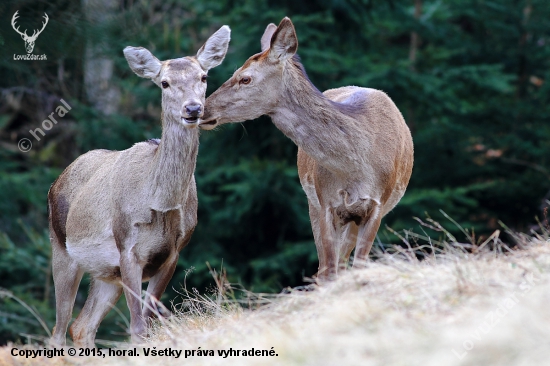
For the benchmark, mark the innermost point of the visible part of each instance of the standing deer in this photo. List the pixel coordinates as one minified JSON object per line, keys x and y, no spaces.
{"x":29,"y":41}
{"x":124,"y":216}
{"x":355,"y":151}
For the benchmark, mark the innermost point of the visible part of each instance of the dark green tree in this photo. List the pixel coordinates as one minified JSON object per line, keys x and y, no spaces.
{"x":470,"y":77}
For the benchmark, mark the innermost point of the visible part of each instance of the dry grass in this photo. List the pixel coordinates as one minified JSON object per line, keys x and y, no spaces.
{"x":452,"y":309}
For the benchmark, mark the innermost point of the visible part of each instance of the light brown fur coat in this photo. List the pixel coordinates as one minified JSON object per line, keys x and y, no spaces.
{"x":355,"y":151}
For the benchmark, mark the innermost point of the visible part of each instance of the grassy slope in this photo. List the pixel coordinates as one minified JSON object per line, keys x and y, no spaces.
{"x":395,"y":312}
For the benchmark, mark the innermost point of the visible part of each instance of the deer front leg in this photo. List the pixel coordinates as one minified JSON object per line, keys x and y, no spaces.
{"x":131,"y":274}
{"x":329,"y":239}
{"x":157,"y":285}
{"x":316,"y":228}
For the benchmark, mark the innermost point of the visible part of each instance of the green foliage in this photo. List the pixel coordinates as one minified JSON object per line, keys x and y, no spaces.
{"x":474,"y":91}
{"x":28,"y":271}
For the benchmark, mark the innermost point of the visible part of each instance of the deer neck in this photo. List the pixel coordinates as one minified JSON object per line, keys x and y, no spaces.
{"x":318,"y":125}
{"x":173,"y":165}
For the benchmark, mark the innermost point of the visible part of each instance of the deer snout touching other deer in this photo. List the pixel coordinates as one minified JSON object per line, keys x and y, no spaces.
{"x":193,"y":112}
{"x":124,"y":216}
{"x":355,"y":151}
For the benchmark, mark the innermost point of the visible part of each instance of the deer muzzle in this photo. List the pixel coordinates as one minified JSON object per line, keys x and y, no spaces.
{"x":192,"y":113}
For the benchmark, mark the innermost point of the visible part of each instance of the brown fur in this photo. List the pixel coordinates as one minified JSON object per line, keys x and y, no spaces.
{"x":124,"y":216}
{"x":355,"y":151}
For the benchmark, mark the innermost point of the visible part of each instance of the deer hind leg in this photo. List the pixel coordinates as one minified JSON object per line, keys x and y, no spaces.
{"x":349,"y":240}
{"x":101,"y":298}
{"x":66,"y":278}
{"x":366,"y":215}
{"x":366,"y":236}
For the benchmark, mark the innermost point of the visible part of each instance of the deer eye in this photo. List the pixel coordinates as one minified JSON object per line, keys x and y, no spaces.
{"x":203,"y":78}
{"x":245,"y":80}
{"x":164,"y":84}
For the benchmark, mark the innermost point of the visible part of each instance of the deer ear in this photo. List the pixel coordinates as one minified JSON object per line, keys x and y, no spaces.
{"x":142,"y":62}
{"x":212,"y":53}
{"x":284,"y":41}
{"x":266,"y":38}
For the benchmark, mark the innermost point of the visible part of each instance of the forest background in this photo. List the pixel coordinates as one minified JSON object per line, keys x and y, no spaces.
{"x":470,"y":77}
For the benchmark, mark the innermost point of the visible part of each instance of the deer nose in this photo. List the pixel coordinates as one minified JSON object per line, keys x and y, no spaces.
{"x":193,"y":110}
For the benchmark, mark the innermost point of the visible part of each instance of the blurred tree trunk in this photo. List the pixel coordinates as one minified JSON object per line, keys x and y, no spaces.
{"x":413,"y":48}
{"x":522,"y":71}
{"x":98,"y":68}
{"x":414,"y":36}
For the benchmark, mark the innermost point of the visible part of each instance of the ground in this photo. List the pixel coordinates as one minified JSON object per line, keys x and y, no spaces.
{"x":457,"y":308}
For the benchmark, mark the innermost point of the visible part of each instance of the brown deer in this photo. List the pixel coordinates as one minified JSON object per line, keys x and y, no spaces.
{"x":355,"y":151}
{"x":124,"y":216}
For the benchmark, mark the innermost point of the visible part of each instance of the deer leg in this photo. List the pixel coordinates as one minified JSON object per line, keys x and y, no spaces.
{"x":329,"y":239}
{"x":349,"y":240}
{"x":157,"y":285}
{"x":131,"y":273}
{"x":366,"y":236}
{"x":101,"y":298}
{"x":66,"y":278}
{"x":315,"y":227}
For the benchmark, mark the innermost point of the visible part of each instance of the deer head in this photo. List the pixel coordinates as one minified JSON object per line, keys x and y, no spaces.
{"x":183,"y":80}
{"x":256,"y":87}
{"x":29,"y":40}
